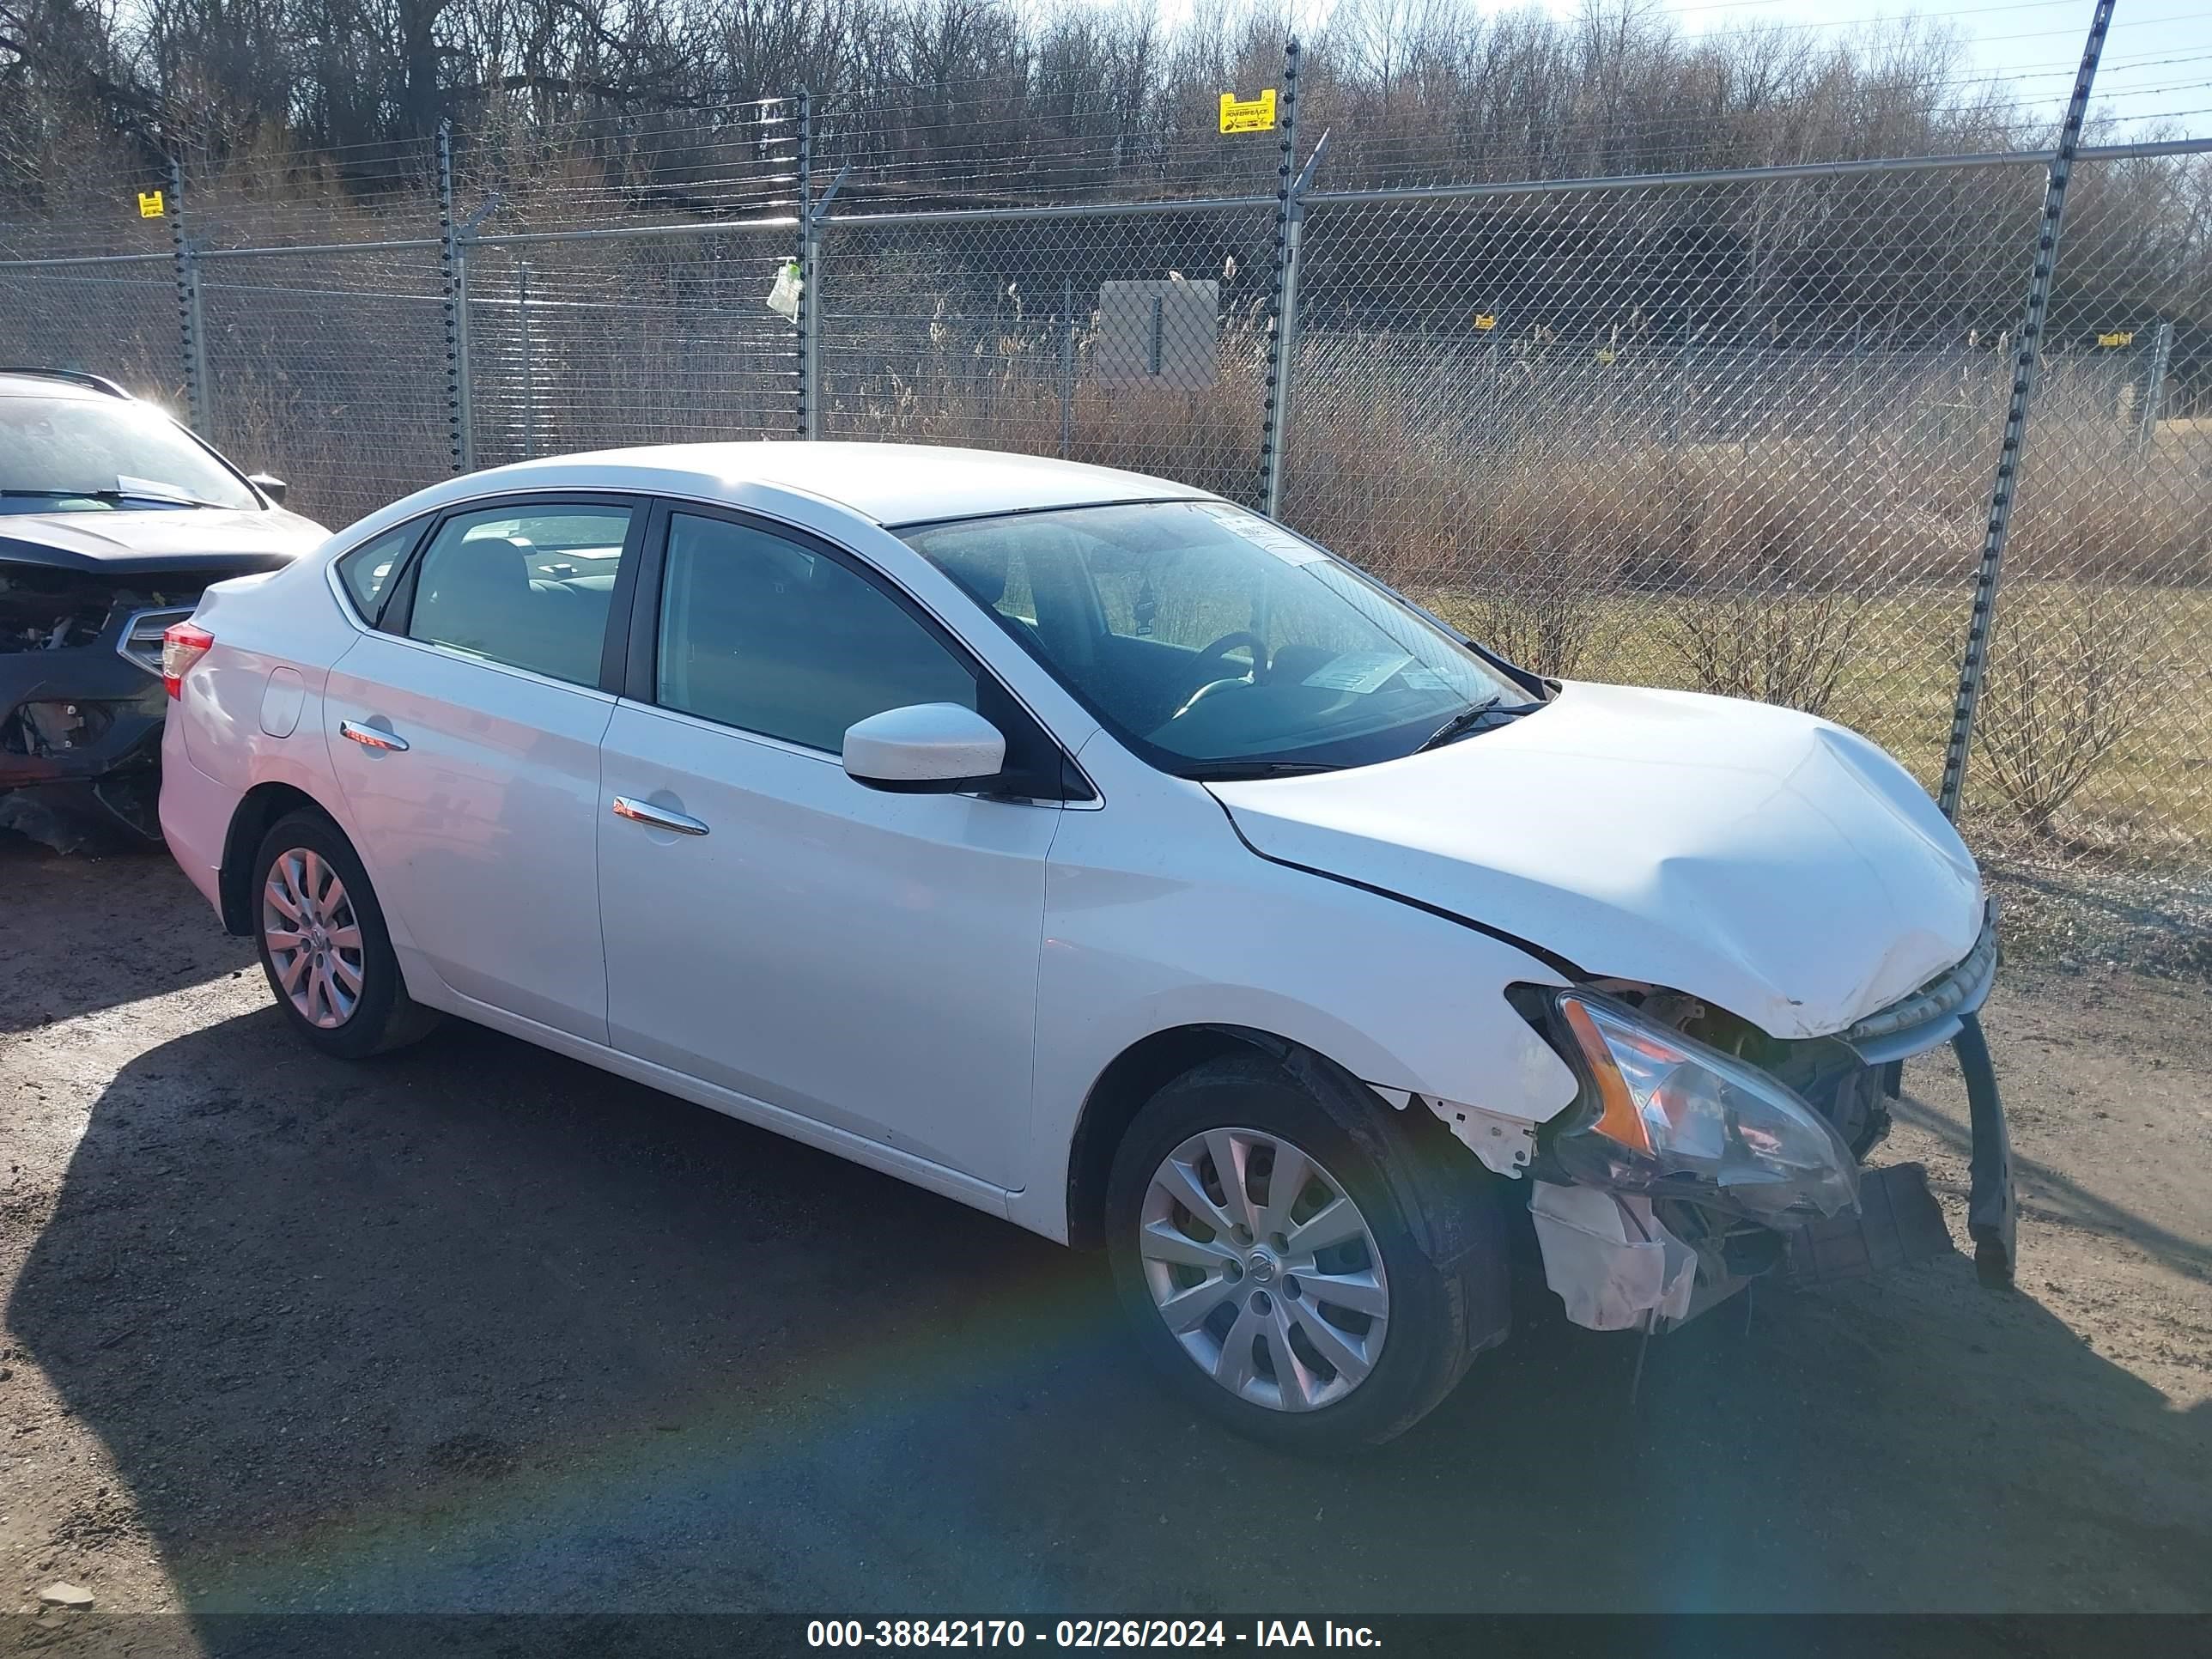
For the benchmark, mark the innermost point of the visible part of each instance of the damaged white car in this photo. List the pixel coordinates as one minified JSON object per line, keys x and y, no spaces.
{"x":1095,"y":852}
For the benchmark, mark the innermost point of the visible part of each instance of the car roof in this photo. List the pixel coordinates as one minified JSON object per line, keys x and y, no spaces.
{"x":888,"y":483}
{"x":53,"y":383}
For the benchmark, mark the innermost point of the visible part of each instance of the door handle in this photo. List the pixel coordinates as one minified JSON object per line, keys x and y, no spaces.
{"x":369,"y":737}
{"x":657,"y":818}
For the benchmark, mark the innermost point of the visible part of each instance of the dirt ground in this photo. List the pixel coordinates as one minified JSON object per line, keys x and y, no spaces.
{"x":479,"y":1327}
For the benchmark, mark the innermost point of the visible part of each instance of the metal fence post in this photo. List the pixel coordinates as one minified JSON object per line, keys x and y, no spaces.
{"x":2161,"y":357}
{"x":807,"y":362}
{"x":810,"y":335}
{"x":1289,"y":231}
{"x":1066,"y":366}
{"x":528,"y":355}
{"x":453,"y":259}
{"x":191,"y":320}
{"x":2026,"y":365}
{"x":1857,"y":402}
{"x":1678,"y":396}
{"x":812,"y":217}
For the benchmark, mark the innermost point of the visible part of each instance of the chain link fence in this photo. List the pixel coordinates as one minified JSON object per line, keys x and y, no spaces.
{"x":1733,"y":431}
{"x":1734,"y":436}
{"x":1135,"y":341}
{"x":328,"y":369}
{"x":590,"y":345}
{"x":116,"y":318}
{"x":2095,"y":739}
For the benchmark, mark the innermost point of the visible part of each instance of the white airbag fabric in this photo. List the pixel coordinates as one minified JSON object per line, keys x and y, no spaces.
{"x":1610,"y":1258}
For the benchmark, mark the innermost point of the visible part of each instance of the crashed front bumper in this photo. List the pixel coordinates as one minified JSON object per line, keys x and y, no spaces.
{"x":80,"y":729}
{"x":1626,"y":1259}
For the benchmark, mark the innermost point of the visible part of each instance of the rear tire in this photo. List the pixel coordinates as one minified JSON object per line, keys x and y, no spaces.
{"x":321,"y":935}
{"x":1416,"y":1324}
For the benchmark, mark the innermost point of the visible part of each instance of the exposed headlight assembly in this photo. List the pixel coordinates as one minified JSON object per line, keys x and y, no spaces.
{"x":1674,"y":1115}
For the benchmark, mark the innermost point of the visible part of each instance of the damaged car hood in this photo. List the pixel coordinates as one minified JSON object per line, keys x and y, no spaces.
{"x":1775,"y":865}
{"x":129,"y":542}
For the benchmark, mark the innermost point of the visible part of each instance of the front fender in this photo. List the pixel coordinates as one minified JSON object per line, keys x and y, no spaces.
{"x":1134,"y":943}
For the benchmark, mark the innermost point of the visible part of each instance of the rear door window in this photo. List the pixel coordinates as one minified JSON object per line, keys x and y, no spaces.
{"x":527,"y":587}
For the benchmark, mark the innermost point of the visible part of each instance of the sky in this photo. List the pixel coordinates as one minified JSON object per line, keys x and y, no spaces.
{"x":2157,"y":59}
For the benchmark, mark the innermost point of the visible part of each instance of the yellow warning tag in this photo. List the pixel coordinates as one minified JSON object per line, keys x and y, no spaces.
{"x":150,"y":205}
{"x":2122,"y":339}
{"x":1248,"y":114}
{"x":1484,"y":322}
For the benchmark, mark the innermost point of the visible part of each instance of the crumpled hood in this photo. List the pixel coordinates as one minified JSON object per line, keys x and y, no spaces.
{"x":1776,"y":865}
{"x":131,"y":542}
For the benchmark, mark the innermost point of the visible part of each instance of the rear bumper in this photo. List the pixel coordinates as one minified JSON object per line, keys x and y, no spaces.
{"x":195,"y":814}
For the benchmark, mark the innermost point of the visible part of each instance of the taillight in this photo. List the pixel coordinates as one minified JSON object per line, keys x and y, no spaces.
{"x":183,"y":644}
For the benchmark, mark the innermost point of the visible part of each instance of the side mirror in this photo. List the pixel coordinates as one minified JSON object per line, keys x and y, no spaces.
{"x":274,"y":489}
{"x":925,"y":748}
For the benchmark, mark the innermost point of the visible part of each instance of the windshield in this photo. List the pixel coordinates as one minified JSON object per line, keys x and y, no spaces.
{"x":94,"y":454}
{"x":1211,"y":641}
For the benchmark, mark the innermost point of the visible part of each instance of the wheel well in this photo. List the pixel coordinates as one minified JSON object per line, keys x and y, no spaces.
{"x":1137,"y":1073}
{"x":263,"y":805}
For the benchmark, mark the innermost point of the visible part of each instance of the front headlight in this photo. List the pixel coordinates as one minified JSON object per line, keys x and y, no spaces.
{"x":1673,"y":1112}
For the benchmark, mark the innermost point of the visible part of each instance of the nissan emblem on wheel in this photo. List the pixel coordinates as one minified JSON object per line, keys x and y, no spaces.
{"x":1086,"y":848}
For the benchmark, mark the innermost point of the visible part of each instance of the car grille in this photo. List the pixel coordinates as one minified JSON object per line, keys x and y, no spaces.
{"x":142,"y":636}
{"x":47,"y":610}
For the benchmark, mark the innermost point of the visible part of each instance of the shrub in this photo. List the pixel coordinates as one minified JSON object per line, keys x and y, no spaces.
{"x":2063,"y":687}
{"x":1548,"y":623}
{"x":1777,"y":646}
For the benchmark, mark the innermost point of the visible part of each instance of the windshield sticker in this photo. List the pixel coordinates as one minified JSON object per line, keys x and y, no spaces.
{"x":130,"y":486}
{"x":1263,"y":534}
{"x":1358,"y":671}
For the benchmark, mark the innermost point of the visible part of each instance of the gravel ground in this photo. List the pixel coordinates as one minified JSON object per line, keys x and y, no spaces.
{"x":475,"y":1327}
{"x":2156,"y":923}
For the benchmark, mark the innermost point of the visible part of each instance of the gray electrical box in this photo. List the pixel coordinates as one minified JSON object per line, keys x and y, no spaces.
{"x":1166,"y":333}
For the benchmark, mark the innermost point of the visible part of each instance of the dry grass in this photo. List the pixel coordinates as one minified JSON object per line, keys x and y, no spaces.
{"x":1549,"y":623}
{"x":1828,"y":566}
{"x":1010,"y":391}
{"x":1831,"y":571}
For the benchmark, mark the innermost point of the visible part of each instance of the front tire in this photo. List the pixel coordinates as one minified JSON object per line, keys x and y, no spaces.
{"x":321,"y":935}
{"x":1263,"y":1254}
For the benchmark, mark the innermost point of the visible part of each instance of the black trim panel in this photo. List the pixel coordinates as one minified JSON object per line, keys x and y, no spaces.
{"x":905,"y":525}
{"x":615,"y":650}
{"x":400,"y":566}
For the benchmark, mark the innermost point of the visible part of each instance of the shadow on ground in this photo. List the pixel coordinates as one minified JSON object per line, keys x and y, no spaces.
{"x":478,"y":1327}
{"x":106,"y":906}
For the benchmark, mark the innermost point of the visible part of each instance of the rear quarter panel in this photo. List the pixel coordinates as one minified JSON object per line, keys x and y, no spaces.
{"x":286,"y":620}
{"x":260,"y":624}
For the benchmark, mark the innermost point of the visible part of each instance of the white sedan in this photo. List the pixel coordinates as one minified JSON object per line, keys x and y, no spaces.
{"x":1089,"y":849}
